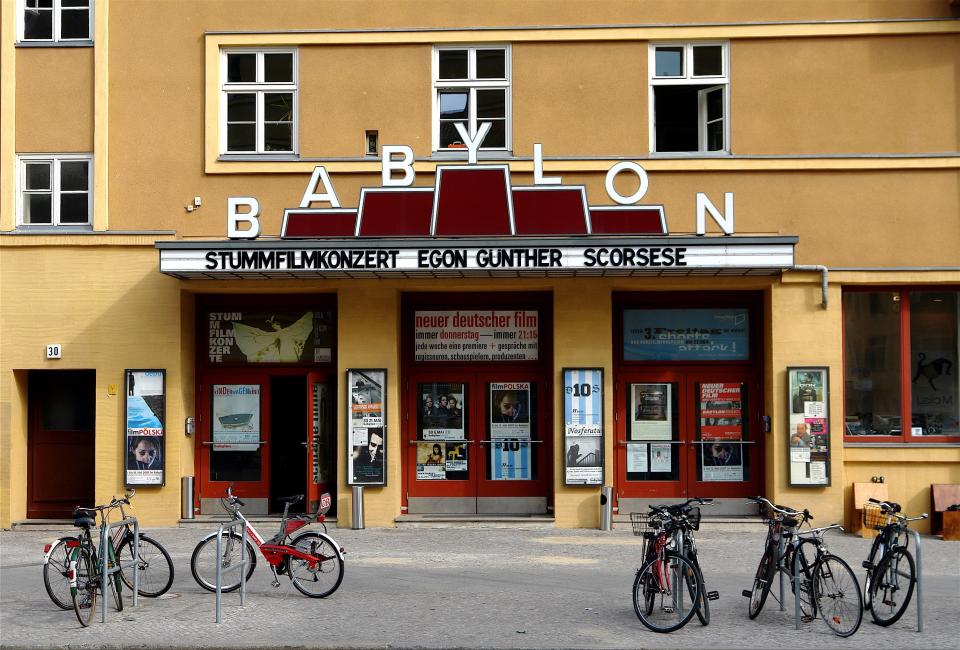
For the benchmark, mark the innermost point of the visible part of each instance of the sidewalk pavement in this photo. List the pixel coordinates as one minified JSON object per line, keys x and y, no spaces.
{"x":465,"y":587}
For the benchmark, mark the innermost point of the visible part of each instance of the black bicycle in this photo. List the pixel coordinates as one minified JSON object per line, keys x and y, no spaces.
{"x":891,"y":570}
{"x":87,"y":564}
{"x":156,"y":567}
{"x":825,"y":584}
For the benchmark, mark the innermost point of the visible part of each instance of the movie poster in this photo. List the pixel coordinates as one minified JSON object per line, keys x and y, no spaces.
{"x":367,"y":425}
{"x":145,"y":427}
{"x":583,"y":426}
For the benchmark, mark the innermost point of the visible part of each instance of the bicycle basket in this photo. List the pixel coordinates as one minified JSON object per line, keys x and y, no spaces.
{"x":874,"y":516}
{"x":642,"y":523}
{"x":694,"y":518}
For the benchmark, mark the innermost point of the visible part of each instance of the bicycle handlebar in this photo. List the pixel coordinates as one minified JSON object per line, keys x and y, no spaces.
{"x":789,"y":512}
{"x":895,"y":509}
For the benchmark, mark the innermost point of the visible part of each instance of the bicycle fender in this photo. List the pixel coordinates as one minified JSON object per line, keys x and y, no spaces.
{"x":340,"y":552}
{"x":47,"y":553}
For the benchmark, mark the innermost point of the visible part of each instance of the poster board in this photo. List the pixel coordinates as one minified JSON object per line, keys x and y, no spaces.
{"x":583,"y":426}
{"x":145,"y":427}
{"x":367,"y":426}
{"x":808,"y":426}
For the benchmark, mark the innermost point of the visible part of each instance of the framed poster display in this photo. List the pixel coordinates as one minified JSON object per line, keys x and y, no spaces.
{"x":145,"y":427}
{"x":808,"y":426}
{"x":442,"y":447}
{"x":583,"y":426}
{"x":367,"y":427}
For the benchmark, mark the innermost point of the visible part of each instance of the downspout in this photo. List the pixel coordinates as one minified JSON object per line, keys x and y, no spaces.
{"x":823,"y":278}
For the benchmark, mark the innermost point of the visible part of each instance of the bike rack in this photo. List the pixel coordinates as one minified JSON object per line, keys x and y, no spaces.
{"x":109,"y":571}
{"x":242,"y":567}
{"x":916,"y":541}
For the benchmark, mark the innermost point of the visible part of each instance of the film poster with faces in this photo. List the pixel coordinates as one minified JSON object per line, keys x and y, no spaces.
{"x":583,"y":426}
{"x":442,"y":450}
{"x":652,"y":421}
{"x":721,"y":431}
{"x":809,"y":427}
{"x":366,"y":462}
{"x":145,"y":427}
{"x":509,"y":422}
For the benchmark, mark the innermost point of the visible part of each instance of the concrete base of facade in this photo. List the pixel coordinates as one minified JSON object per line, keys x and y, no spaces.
{"x":475,"y":521}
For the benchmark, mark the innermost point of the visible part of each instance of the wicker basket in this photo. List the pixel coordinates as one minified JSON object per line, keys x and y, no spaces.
{"x":642,"y":523}
{"x":874,"y":517}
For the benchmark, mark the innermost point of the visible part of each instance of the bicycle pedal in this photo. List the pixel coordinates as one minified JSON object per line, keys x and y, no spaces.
{"x":668,"y":609}
{"x":890,"y":603}
{"x":713,"y":595}
{"x":275,"y":583}
{"x":746,"y":593}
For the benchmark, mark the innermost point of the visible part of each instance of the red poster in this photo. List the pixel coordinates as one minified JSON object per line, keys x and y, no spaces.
{"x":721,"y":412}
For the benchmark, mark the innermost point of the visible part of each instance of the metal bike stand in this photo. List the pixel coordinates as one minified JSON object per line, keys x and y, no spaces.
{"x":796,"y":583}
{"x":242,"y":567}
{"x":916,"y":541}
{"x":780,"y":551}
{"x":109,"y":571}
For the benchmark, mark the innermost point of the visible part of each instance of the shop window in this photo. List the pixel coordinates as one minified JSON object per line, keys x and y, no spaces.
{"x":900,"y":365}
{"x":689,"y":97}
{"x":55,"y":21}
{"x":259,"y":102}
{"x":55,"y":190}
{"x":471,"y":85}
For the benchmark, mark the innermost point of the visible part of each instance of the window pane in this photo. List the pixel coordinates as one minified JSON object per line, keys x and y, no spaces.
{"x":707,"y":61}
{"x":73,"y":175}
{"x":38,"y":24}
{"x":669,"y":62}
{"x":74,"y":3}
{"x":675,"y":112}
{"x":453,"y":105}
{"x":38,"y":176}
{"x":491,"y":64}
{"x":871,"y":325}
{"x":278,"y":137}
{"x":241,"y":137}
{"x":36,"y":208}
{"x":242,"y":67}
{"x":715,"y":136}
{"x":241,"y":107}
{"x":935,"y":390}
{"x":496,"y":137}
{"x":714,"y":105}
{"x":278,"y":107}
{"x":73,"y":208}
{"x":449,"y":136}
{"x":453,"y":64}
{"x":278,"y":67}
{"x":491,"y":103}
{"x":75,"y":23}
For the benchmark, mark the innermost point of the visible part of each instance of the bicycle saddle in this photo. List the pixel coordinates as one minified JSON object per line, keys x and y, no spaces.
{"x":291,"y":500}
{"x":83,"y":518}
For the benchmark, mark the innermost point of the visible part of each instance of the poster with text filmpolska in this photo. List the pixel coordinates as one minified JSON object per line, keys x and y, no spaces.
{"x":510,"y":433}
{"x":583,"y":426}
{"x":145,"y":417}
{"x":477,"y":335}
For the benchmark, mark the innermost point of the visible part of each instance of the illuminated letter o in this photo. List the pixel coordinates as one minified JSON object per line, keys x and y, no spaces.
{"x":636,"y":169}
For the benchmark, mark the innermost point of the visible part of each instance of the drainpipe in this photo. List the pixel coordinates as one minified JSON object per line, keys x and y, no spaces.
{"x":823,"y":278}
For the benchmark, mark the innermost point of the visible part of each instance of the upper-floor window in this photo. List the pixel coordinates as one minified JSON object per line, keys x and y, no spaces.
{"x":471,"y":85}
{"x":689,"y":97}
{"x":55,"y":21}
{"x":55,"y":190}
{"x":258,"y":101}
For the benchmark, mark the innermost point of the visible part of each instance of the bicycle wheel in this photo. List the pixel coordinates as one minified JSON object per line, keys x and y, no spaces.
{"x":703,"y":610}
{"x":892,"y":586}
{"x":318,"y":578}
{"x":675,"y":598}
{"x":838,"y":597}
{"x":762,"y":581}
{"x":155,"y":566}
{"x":55,"y":578}
{"x":871,"y":565}
{"x":203,"y":562}
{"x":116,"y":584}
{"x":84,"y":596}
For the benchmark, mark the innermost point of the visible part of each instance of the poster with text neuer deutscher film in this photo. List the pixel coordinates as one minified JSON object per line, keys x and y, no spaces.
{"x":477,"y":335}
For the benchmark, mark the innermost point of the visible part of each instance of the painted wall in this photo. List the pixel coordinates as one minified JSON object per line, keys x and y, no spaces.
{"x":54,"y":100}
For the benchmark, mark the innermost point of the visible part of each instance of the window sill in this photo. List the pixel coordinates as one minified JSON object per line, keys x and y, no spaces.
{"x":900,"y":445}
{"x":52,"y":230}
{"x":258,"y":157}
{"x":684,"y":155}
{"x":54,"y":43}
{"x":462,"y":154}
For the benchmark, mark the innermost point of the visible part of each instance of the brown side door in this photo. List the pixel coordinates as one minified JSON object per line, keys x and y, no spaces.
{"x":60,"y":442}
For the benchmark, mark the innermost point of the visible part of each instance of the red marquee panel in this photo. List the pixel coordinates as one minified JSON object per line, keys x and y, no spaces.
{"x":628,"y":220}
{"x":303,"y":224}
{"x":549,"y":210}
{"x":472,"y":202}
{"x":403,"y":212}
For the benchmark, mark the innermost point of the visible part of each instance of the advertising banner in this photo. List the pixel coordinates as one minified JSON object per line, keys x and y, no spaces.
{"x":145,"y":427}
{"x":686,"y":334}
{"x":477,"y":335}
{"x":280,"y":335}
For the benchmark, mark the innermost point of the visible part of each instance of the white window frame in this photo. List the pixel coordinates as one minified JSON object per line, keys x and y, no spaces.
{"x":687,"y":78}
{"x":25,"y":5}
{"x":55,"y":160}
{"x":472,"y":84}
{"x":260,"y":88}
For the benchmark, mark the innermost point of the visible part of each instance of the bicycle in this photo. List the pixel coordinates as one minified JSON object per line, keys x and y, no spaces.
{"x":312,"y":560}
{"x":86,"y":564}
{"x":824,"y":583}
{"x":670,"y":567}
{"x":156,"y":567}
{"x":891,"y":578}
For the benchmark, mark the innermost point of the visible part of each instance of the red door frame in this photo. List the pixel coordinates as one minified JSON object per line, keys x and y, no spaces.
{"x":208,"y":374}
{"x":478,"y":374}
{"x":688,"y":374}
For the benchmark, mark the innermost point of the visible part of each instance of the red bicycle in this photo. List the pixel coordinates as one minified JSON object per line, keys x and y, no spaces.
{"x":312,"y":560}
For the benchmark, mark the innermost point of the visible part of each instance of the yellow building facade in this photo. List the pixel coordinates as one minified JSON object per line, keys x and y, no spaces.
{"x":706,"y":249}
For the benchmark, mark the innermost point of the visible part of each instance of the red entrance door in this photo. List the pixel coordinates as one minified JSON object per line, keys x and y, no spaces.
{"x":687,"y":432}
{"x":477,"y":442}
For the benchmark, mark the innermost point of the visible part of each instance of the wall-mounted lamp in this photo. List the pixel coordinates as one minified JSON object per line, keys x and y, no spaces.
{"x":190,"y":426}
